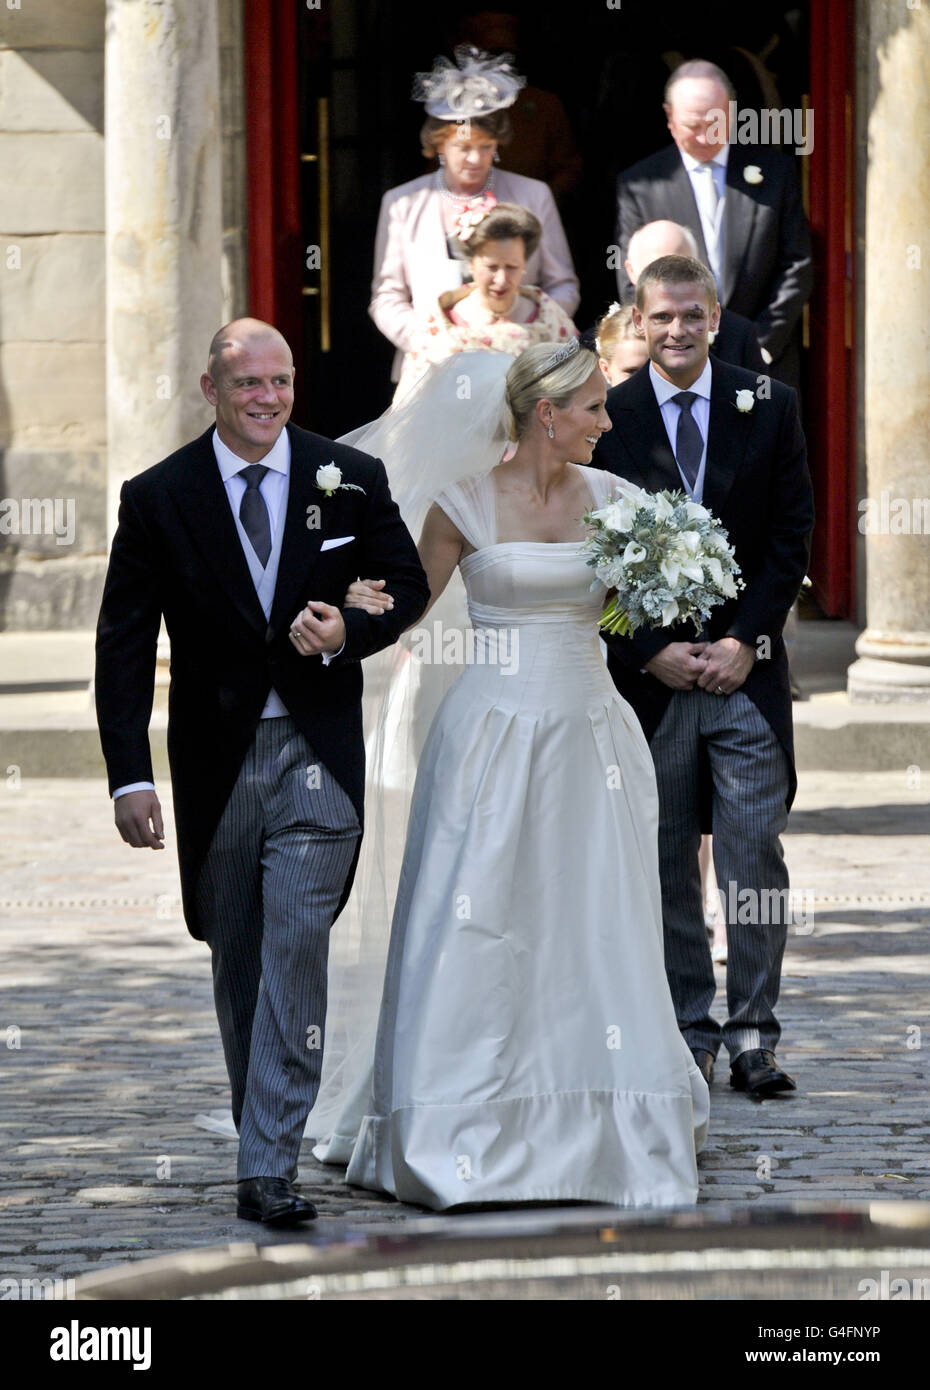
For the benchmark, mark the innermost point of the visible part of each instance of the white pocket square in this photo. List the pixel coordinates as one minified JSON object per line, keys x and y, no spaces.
{"x":336,"y":540}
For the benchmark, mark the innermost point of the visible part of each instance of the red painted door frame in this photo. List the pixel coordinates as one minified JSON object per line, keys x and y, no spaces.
{"x":273,"y":163}
{"x":830,"y":401}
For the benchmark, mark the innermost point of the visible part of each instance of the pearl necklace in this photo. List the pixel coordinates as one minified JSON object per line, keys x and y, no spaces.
{"x":462,"y":197}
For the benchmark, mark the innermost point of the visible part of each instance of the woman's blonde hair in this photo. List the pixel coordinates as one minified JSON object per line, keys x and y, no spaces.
{"x":615,"y":327}
{"x":532,"y":379}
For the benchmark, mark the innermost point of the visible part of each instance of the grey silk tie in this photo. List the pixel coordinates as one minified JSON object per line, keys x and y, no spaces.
{"x":705,"y":191}
{"x":253,"y":513}
{"x":688,"y":442}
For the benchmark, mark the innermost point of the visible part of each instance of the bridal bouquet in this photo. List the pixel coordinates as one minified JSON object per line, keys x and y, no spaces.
{"x":667,"y":557}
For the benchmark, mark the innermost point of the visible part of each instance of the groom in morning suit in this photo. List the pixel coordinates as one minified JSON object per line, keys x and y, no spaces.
{"x":717,"y":708}
{"x":229,"y":539}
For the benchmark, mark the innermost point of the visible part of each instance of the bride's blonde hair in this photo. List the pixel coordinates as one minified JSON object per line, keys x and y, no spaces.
{"x":531,"y":379}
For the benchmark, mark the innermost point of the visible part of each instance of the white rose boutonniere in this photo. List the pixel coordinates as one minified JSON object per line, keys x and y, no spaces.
{"x":745,"y":400}
{"x":752,"y":173}
{"x":329,"y":479}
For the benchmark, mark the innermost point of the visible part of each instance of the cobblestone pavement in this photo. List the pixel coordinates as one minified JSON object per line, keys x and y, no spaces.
{"x":111,"y":1044}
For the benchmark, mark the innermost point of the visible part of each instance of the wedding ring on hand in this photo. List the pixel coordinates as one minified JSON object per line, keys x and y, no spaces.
{"x":719,"y":690}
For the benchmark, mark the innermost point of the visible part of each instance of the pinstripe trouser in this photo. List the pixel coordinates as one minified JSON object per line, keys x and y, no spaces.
{"x":750,"y":783}
{"x":268,"y":893}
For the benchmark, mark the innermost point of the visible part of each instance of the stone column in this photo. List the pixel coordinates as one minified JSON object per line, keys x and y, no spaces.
{"x":164,"y":231}
{"x":894,"y":649}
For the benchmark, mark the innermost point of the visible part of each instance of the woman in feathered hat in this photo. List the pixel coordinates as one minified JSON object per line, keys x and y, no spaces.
{"x":418,"y":249}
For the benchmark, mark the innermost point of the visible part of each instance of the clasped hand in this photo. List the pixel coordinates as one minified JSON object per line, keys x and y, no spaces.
{"x":367,"y":594}
{"x":720,"y":667}
{"x":318,"y":627}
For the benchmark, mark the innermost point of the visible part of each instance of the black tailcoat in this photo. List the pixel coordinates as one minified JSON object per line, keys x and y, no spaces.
{"x":177,"y":552}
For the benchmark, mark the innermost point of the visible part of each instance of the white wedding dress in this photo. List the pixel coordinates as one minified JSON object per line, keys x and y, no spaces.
{"x":527,"y":1047}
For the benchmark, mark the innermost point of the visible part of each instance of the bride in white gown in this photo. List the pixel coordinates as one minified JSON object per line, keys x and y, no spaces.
{"x":527,"y":1048}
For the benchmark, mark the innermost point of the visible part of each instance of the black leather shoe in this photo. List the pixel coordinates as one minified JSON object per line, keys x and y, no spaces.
{"x":273,"y":1201}
{"x":758,"y":1073}
{"x":705,"y":1063}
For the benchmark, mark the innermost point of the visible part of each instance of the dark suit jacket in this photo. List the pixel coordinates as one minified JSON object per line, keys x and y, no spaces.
{"x":766,"y":274}
{"x":177,"y":552}
{"x":756,"y":482}
{"x":736,"y":343}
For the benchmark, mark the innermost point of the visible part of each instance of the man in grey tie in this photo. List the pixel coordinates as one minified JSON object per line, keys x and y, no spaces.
{"x":716,"y":706}
{"x":246,"y":540}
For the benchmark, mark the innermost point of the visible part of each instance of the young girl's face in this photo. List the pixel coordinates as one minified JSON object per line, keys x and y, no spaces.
{"x":627,"y":357}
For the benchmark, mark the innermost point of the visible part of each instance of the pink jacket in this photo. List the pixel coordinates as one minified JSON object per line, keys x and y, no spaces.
{"x":412,"y":267}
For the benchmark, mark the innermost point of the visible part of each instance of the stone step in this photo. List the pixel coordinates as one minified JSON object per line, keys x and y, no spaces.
{"x":47,"y":726}
{"x":830,"y":735}
{"x":833,"y":734}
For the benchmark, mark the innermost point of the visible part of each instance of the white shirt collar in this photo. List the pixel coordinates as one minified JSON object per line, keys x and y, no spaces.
{"x":720,"y":159}
{"x":278,"y":457}
{"x":665,"y":390}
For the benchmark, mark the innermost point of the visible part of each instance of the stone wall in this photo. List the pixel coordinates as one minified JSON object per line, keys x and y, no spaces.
{"x":233,"y":161}
{"x":53,"y":415}
{"x":52,"y":303}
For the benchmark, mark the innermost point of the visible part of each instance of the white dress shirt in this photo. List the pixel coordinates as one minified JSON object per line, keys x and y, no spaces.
{"x":711,"y":224}
{"x":700,"y":414}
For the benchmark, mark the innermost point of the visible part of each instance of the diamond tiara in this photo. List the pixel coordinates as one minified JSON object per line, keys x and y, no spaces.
{"x":561,"y":354}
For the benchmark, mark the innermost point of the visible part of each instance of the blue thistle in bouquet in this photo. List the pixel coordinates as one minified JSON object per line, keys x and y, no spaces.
{"x":668,"y":558}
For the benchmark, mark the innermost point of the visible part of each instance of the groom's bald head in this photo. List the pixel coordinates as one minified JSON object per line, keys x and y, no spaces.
{"x":249,"y":381}
{"x":238,"y":336}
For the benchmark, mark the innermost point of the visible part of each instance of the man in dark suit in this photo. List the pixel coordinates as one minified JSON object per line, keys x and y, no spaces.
{"x":719,"y":700}
{"x":743,"y":205}
{"x":246,"y":541}
{"x":734,"y":339}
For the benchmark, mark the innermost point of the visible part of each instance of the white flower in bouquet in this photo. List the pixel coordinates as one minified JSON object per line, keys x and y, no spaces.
{"x":665,"y":555}
{"x":618,"y":515}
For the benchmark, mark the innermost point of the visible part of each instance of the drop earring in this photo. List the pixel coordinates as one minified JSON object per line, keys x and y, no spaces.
{"x":497,"y":158}
{"x":550,"y":431}
{"x":442,"y":161}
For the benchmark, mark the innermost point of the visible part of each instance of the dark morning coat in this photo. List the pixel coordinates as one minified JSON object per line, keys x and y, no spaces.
{"x":757,"y":483}
{"x":736,"y":342}
{"x":177,"y":552}
{"x":767,"y":268}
